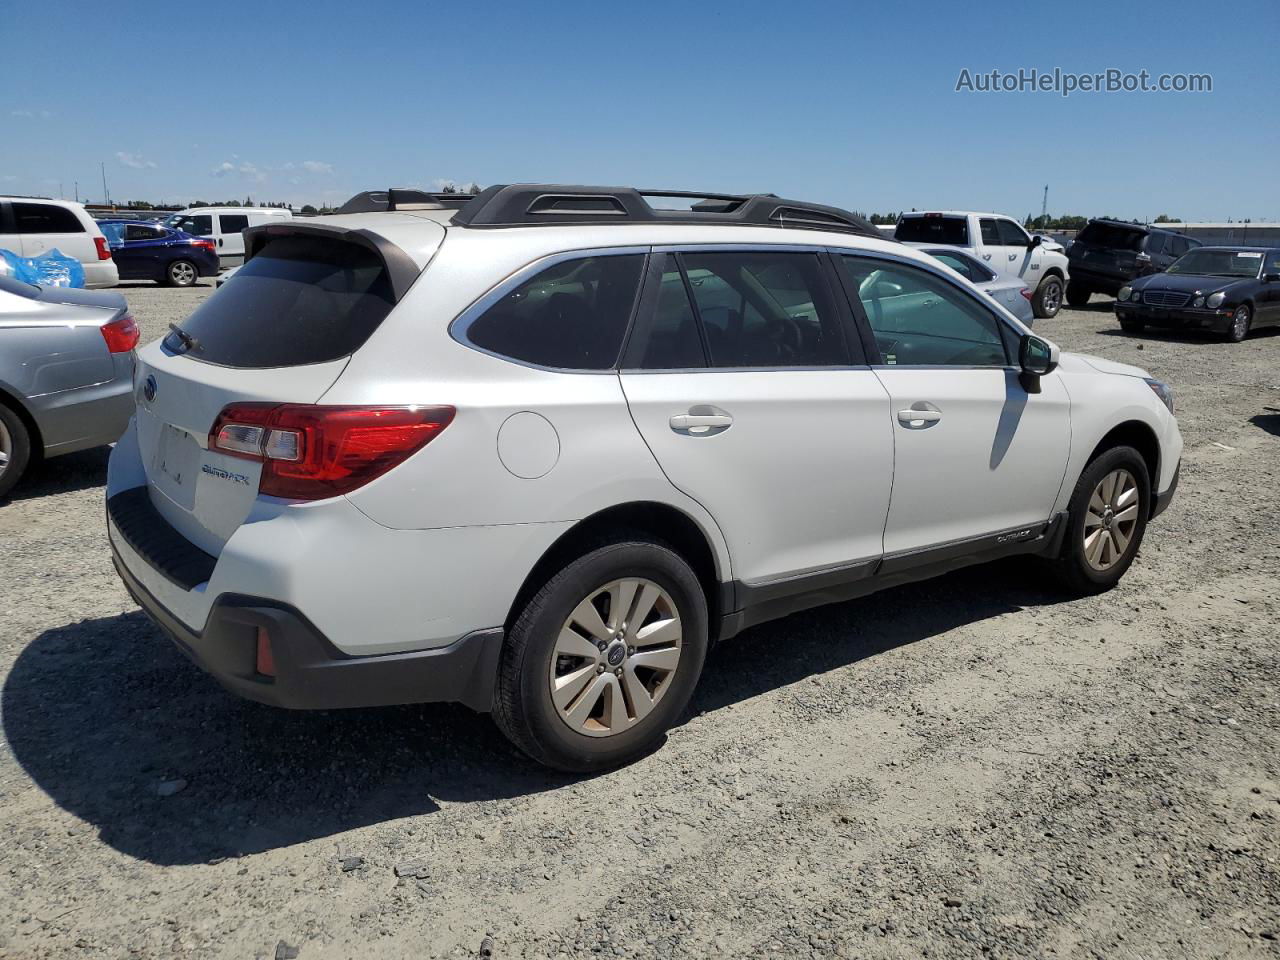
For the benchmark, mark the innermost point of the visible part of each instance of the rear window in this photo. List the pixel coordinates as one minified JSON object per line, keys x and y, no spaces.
{"x":300,"y":300}
{"x":1111,"y":236}
{"x":951,"y":231}
{"x":45,"y":218}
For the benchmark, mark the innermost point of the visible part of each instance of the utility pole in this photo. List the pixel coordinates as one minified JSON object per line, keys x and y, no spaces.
{"x":77,"y":183}
{"x":1044,"y":206}
{"x":106,"y":197}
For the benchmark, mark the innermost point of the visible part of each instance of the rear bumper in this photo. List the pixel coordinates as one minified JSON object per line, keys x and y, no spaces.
{"x":1187,"y":318}
{"x":312,"y":674}
{"x":100,"y":273}
{"x":1095,"y":280}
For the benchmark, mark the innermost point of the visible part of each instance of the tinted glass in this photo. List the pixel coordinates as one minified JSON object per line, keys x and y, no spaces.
{"x":1218,"y":263}
{"x":45,"y":218}
{"x":952,"y":231}
{"x":1156,"y":243}
{"x":199,"y":225}
{"x":672,"y":340}
{"x":299,"y":301}
{"x":765,"y":309}
{"x":1012,"y":235}
{"x":232,"y":222}
{"x":572,"y":315}
{"x":969,"y":269}
{"x":918,"y":318}
{"x":990,"y":233}
{"x":139,"y":232}
{"x":1111,"y":236}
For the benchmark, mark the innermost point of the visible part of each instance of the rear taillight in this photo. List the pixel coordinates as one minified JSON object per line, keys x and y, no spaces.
{"x":207,"y":244}
{"x":104,"y":252}
{"x":313,"y":452}
{"x":1028,"y":293}
{"x":121,"y":335}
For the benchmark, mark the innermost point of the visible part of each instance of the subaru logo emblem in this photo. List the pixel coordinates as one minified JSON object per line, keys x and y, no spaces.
{"x":149,"y":388}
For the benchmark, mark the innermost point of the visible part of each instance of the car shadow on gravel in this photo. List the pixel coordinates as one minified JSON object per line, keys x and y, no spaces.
{"x":1270,"y":422}
{"x":106,"y":716}
{"x":66,"y":474}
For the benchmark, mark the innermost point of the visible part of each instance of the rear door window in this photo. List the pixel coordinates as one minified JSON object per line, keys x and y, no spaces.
{"x":671,"y":339}
{"x":949,"y":231}
{"x":990,"y":233}
{"x":300,"y":300}
{"x":765,"y":309}
{"x":45,"y":218}
{"x":1155,"y":243}
{"x":232,"y":222}
{"x":570,"y":316}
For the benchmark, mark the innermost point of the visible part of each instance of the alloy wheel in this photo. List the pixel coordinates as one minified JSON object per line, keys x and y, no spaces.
{"x":182,"y":273}
{"x":1240,"y":323}
{"x":615,"y":657}
{"x":1052,"y":298}
{"x":6,"y":448}
{"x":1111,"y":519}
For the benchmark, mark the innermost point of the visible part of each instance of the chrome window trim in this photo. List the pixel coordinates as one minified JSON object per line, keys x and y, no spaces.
{"x":459,"y":325}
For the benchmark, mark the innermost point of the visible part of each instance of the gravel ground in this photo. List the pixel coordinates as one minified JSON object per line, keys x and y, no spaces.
{"x":964,"y":768}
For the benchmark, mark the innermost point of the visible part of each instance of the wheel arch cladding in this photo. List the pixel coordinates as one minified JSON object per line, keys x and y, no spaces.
{"x":1140,"y":436}
{"x":656,"y":521}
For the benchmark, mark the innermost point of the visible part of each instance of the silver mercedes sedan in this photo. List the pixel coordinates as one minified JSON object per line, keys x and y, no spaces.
{"x":66,"y":372}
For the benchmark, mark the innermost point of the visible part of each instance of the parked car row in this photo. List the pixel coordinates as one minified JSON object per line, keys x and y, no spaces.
{"x":642,"y":430}
{"x":192,"y":243}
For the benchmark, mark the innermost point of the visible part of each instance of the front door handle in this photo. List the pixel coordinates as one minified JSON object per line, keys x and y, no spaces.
{"x":919,"y":416}
{"x":1013,"y":256}
{"x":986,"y":256}
{"x":685,"y":422}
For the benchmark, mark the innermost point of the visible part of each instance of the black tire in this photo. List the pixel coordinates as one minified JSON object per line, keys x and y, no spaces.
{"x":523,"y":709}
{"x":1132,"y":326}
{"x":1072,"y":568}
{"x":1078,"y":294}
{"x":15,"y":449}
{"x":1047,"y":300}
{"x":181,"y":273}
{"x":1241,"y":323}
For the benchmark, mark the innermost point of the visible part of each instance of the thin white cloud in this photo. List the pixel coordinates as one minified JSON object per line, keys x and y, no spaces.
{"x":134,"y":160}
{"x":244,"y":168}
{"x":317,"y":166}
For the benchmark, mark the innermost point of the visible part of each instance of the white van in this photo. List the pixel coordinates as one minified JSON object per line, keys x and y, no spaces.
{"x":223,"y":225}
{"x":30,"y":226}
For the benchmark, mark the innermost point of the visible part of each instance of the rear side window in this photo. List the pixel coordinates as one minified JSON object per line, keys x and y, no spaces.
{"x":300,"y":300}
{"x":1156,"y":243}
{"x":969,"y":269}
{"x":951,"y":231}
{"x":672,"y":340}
{"x":572,"y":315}
{"x":232,"y":222}
{"x":765,"y":309}
{"x":990,"y":233}
{"x":1111,"y":236}
{"x":45,"y":218}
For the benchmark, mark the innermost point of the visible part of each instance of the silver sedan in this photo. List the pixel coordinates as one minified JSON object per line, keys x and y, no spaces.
{"x":1012,"y":294}
{"x":66,"y":372}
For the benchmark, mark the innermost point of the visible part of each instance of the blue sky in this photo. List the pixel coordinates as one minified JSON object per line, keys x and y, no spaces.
{"x":847,"y":103}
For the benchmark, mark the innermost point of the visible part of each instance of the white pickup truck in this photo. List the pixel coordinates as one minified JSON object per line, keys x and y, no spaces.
{"x":1001,"y":244}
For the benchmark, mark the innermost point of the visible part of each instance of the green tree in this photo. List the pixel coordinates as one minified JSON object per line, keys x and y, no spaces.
{"x":308,"y":210}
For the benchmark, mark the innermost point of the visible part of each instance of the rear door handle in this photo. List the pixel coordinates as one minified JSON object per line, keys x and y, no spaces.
{"x":685,"y":422}
{"x":919,"y":416}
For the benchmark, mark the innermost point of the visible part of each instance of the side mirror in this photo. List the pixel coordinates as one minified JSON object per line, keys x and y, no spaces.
{"x":1035,"y":242}
{"x":1036,"y":358}
{"x":1271,"y":277}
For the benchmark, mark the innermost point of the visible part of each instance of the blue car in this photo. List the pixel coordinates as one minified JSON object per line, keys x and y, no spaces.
{"x":148,"y":251}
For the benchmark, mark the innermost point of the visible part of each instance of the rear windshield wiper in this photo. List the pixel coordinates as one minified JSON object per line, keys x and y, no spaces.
{"x":186,"y":339}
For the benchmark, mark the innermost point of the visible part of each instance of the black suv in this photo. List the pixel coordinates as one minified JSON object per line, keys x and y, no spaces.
{"x":1107,"y":254}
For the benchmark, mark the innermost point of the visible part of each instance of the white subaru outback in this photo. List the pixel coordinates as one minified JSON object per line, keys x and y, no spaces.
{"x":535,"y":452}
